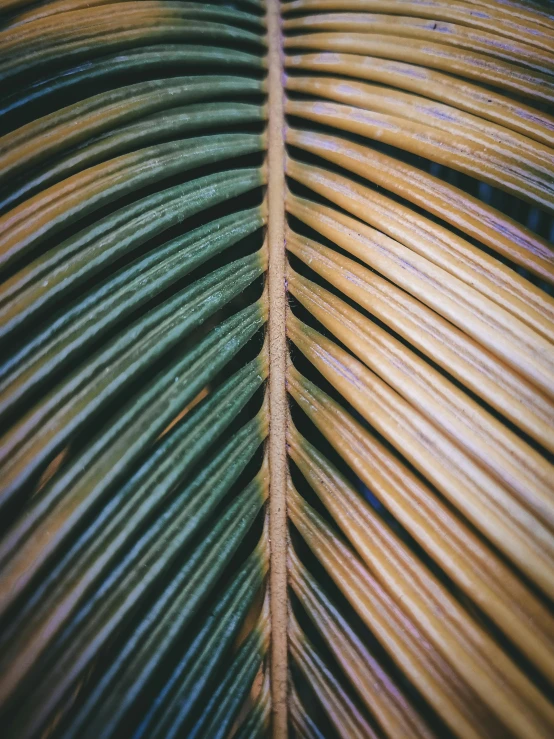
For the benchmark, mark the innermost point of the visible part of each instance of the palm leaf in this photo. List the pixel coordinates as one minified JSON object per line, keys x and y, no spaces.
{"x":277,"y":381}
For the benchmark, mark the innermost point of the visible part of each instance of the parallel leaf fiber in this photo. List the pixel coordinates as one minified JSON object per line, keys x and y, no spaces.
{"x":277,"y":369}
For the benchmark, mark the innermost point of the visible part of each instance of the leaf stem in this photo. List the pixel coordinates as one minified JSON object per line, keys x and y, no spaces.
{"x":277,"y":355}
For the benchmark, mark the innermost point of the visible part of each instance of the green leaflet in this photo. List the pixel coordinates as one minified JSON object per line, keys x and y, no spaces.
{"x":256,"y":723}
{"x":113,"y":300}
{"x":196,"y":669}
{"x":57,"y":208}
{"x":186,"y":591}
{"x":156,"y":127}
{"x":255,"y":726}
{"x":44,"y":18}
{"x":200,"y":11}
{"x":139,"y":60}
{"x":139,"y":423}
{"x":138,"y":33}
{"x":124,"y":469}
{"x":42,"y":433}
{"x":206,"y":651}
{"x":221,"y":710}
{"x":79,"y":258}
{"x":93,"y":116}
{"x":112,"y":530}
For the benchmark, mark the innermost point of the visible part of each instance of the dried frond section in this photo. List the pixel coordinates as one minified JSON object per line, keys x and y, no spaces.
{"x":421,"y":324}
